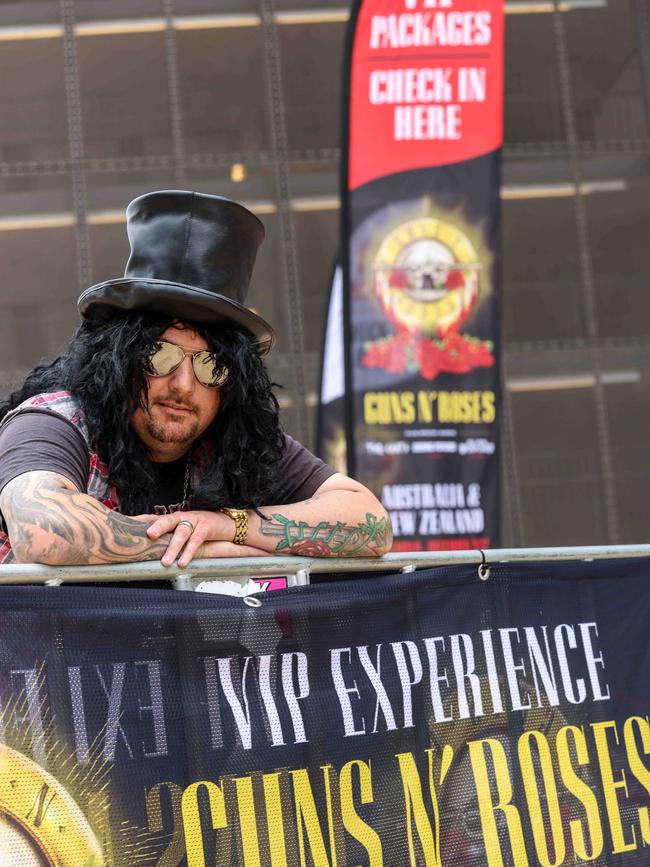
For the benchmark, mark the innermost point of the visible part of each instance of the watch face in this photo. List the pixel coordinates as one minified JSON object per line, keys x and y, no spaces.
{"x":17,"y":848}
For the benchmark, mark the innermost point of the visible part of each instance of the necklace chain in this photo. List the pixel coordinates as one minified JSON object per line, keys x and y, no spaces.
{"x":186,"y":483}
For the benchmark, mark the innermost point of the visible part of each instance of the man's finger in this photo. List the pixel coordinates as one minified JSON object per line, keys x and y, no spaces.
{"x":182,"y":534}
{"x":191,"y":547}
{"x":159,"y":527}
{"x":161,"y":524}
{"x":166,"y":524}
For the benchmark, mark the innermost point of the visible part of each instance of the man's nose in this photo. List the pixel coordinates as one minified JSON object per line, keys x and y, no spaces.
{"x":182,"y":379}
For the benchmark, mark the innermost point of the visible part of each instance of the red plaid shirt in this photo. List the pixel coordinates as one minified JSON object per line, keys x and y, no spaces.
{"x":98,"y":484}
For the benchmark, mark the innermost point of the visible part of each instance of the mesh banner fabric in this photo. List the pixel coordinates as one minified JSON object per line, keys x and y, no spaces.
{"x":425,"y":719}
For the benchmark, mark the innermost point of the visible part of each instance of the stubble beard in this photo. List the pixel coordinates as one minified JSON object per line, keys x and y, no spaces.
{"x":180,"y":433}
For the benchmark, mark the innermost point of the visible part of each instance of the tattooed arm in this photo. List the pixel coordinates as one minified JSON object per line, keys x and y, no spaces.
{"x":342,"y":519}
{"x":49,"y":521}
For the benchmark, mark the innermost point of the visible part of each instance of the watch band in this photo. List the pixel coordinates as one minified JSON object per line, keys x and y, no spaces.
{"x":240,"y":517}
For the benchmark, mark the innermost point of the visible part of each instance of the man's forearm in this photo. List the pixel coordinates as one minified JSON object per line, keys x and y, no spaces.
{"x":326,"y":538}
{"x":342,"y":519}
{"x":59,"y":526}
{"x":331,"y":524}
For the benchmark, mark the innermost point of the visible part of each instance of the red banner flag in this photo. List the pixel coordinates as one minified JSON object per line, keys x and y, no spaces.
{"x":420,"y":264}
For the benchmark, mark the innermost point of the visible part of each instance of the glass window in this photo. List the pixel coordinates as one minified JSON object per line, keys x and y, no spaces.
{"x":619,"y":224}
{"x":124,"y":94}
{"x":317,"y":235}
{"x":266,"y":294}
{"x":629,"y":423}
{"x":312,"y":97}
{"x":558,"y":467}
{"x":38,"y":272}
{"x":109,"y":247}
{"x":109,"y":192}
{"x":114,"y":10}
{"x":606,"y":73}
{"x":30,"y":12}
{"x":533,"y":112}
{"x":39,"y":264}
{"x":222,"y":90}
{"x":541,"y":280}
{"x":215,"y":7}
{"x":256,"y":189}
{"x":111,"y":10}
{"x":33,"y":108}
{"x":334,"y":7}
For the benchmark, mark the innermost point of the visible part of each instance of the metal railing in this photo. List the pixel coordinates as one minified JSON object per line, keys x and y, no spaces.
{"x":298,"y":569}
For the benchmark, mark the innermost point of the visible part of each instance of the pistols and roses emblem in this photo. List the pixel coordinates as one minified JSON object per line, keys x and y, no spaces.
{"x":427,"y":281}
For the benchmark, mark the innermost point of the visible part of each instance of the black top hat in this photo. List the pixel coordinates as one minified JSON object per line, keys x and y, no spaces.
{"x":191,"y":256}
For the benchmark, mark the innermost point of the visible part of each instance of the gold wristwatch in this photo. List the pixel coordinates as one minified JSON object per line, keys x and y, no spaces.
{"x":240,"y":517}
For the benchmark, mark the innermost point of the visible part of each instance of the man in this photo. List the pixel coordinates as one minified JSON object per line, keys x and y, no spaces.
{"x":156,"y":435}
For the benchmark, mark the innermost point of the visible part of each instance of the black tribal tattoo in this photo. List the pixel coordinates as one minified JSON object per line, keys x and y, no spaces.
{"x":50,"y":523}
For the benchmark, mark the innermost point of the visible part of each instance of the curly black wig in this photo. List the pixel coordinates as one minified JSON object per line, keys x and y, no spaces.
{"x":104,"y":369}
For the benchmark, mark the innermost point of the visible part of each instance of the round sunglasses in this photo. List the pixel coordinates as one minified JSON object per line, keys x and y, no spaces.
{"x":166,"y":357}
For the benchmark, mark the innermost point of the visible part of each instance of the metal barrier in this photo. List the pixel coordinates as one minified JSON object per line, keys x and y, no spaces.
{"x":298,"y":569}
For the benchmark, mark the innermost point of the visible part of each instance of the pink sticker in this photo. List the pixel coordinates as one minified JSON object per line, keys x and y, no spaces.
{"x":271,"y":583}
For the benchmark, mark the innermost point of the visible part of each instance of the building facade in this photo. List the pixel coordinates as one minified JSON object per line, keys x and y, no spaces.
{"x":102,"y":100}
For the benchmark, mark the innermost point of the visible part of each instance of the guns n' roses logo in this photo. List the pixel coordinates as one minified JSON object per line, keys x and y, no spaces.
{"x":427,"y":280}
{"x":40,"y":823}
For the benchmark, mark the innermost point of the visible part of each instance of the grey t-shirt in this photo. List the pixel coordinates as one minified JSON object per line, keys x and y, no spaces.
{"x":36,"y":439}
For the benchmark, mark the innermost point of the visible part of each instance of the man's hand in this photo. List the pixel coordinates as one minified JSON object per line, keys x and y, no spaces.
{"x":342,"y":519}
{"x":211,"y":537}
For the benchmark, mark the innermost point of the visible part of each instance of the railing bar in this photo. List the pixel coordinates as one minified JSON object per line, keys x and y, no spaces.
{"x":29,"y":573}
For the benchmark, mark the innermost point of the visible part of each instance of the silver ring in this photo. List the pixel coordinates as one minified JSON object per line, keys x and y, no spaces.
{"x":187,"y":524}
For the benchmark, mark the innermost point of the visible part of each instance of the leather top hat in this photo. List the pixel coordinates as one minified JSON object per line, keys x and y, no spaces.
{"x":192,"y":256}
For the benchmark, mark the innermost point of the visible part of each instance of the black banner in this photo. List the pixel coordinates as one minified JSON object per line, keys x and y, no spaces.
{"x":427,"y":719}
{"x":420,"y":259}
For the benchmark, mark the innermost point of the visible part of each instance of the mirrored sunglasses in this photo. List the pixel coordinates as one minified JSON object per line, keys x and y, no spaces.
{"x":168,"y":356}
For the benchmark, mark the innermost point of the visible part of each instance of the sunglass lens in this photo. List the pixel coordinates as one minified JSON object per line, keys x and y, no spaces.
{"x":206,"y":370}
{"x":165,"y":359}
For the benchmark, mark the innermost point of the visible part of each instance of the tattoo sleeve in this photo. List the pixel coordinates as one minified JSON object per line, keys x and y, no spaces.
{"x":326,"y":539}
{"x":50,"y":523}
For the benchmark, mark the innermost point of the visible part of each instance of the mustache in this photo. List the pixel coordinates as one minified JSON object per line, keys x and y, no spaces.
{"x":182,"y":404}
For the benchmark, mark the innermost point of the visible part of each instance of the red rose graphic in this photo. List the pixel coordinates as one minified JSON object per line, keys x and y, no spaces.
{"x":454,"y":353}
{"x":454,"y":280}
{"x":398,"y":279}
{"x":311,"y":548}
{"x":431,"y":359}
{"x":396,"y":360}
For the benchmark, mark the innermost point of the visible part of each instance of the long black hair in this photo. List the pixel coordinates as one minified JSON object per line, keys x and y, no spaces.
{"x":104,"y":369}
